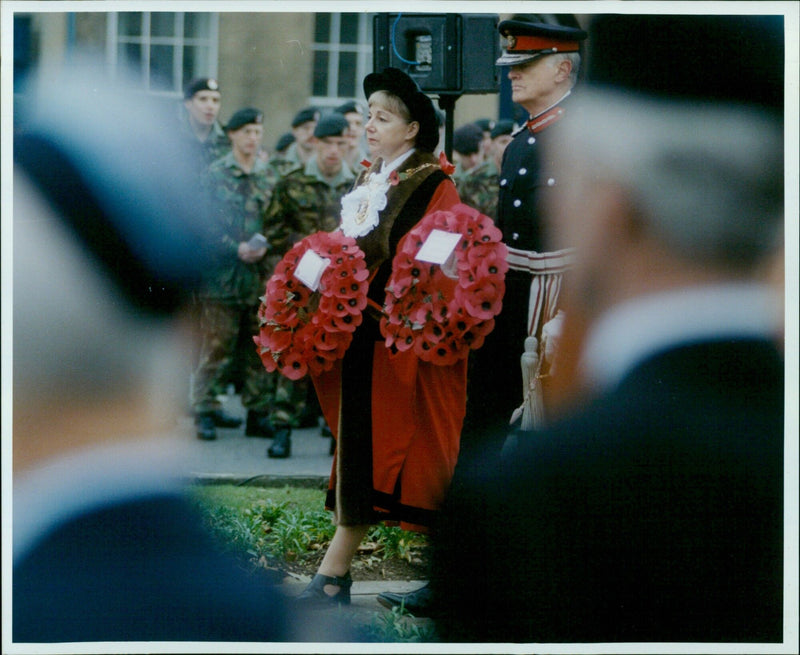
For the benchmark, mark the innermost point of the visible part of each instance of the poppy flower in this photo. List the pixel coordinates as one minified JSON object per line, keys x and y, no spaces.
{"x":481,"y":300}
{"x":445,"y":165}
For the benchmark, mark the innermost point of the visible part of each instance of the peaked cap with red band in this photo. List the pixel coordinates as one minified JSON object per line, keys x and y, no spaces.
{"x":527,"y":41}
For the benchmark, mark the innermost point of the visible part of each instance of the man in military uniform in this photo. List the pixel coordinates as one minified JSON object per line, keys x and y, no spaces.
{"x":355,"y":151}
{"x":486,"y":125}
{"x":304,"y":201}
{"x":302,"y":148}
{"x":202,"y":101}
{"x":543,"y":62}
{"x":467,"y":153}
{"x":240,"y":183}
{"x":480,"y":187}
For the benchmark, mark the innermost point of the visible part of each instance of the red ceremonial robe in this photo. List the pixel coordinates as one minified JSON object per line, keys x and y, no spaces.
{"x":397,"y":419}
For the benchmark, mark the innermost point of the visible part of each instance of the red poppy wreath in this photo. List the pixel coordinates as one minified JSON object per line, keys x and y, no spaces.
{"x":443,"y":317}
{"x":302,"y":330}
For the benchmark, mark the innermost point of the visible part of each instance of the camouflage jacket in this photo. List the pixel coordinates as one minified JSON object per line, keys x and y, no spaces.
{"x":215,"y":145}
{"x":239,"y":199}
{"x":480,"y":188}
{"x":303,"y":202}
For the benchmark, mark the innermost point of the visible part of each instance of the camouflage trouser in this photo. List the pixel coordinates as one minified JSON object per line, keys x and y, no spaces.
{"x":227,"y":328}
{"x":289,"y":401}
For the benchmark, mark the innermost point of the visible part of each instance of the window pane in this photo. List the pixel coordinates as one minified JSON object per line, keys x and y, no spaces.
{"x":322,"y":28}
{"x":195,"y":63}
{"x":129,"y":23}
{"x":161,"y":58}
{"x":349,"y":28}
{"x":196,"y":25}
{"x":130,"y":54}
{"x":162,"y":23}
{"x":320,"y":73}
{"x":367,"y":18}
{"x":347,"y":75}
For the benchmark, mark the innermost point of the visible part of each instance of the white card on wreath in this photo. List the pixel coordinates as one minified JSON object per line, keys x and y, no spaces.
{"x":310,"y":269}
{"x":438,"y":247}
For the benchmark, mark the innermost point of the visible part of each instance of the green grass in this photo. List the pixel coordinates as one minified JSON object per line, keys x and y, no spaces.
{"x":274,"y":526}
{"x":267,"y":527}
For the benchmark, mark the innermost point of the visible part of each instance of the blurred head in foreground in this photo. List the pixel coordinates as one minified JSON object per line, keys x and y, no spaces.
{"x":677,"y":169}
{"x":110,"y":239}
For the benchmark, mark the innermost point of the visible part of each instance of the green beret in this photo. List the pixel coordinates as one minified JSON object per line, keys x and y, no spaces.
{"x":331,"y":125}
{"x":244,"y":117}
{"x":200,"y":84}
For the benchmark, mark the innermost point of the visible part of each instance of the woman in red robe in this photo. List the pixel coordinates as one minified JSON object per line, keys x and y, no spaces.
{"x":396,"y":418}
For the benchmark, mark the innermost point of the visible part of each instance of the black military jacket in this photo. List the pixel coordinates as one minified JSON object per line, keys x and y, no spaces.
{"x":525,"y":177}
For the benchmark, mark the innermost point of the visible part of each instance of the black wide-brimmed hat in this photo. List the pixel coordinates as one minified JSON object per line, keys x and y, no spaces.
{"x":734,"y":59}
{"x":130,"y":197}
{"x":420,"y":106}
{"x":526,"y":41}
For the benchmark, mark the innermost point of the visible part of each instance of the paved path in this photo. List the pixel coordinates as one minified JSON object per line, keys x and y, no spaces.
{"x":233,"y":455}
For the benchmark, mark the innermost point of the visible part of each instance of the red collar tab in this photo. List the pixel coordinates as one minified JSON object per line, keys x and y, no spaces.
{"x":530,"y":44}
{"x":546,"y":119}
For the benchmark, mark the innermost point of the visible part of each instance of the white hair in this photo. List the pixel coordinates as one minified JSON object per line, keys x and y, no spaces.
{"x":575,"y":59}
{"x":706,"y":178}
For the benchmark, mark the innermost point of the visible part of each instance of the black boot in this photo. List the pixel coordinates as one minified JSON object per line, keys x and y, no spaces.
{"x":314,"y":596}
{"x":223,"y":420}
{"x":419,"y":602}
{"x":281,"y":448}
{"x":259,"y":425}
{"x":206,"y":429}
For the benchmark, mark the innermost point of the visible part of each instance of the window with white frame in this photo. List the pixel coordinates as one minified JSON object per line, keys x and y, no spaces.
{"x":342,"y":56}
{"x":169,"y":48}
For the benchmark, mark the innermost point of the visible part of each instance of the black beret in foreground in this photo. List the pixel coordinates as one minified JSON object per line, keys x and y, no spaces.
{"x":130,"y":197}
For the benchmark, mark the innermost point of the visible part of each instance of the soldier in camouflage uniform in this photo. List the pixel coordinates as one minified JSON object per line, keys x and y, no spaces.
{"x":467,"y":152}
{"x":241,"y":184}
{"x":480,"y":187}
{"x":304,"y":201}
{"x":356,"y":151}
{"x":200,"y":126}
{"x":301,"y":149}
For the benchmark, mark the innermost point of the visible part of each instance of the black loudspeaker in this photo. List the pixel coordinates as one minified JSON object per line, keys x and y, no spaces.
{"x":446,"y":54}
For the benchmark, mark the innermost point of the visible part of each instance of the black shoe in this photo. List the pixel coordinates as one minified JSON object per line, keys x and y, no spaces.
{"x":419,"y":602}
{"x":206,"y":429}
{"x":281,"y":448}
{"x":308,"y":419}
{"x":259,"y":425}
{"x":223,"y":420}
{"x":314,"y":596}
